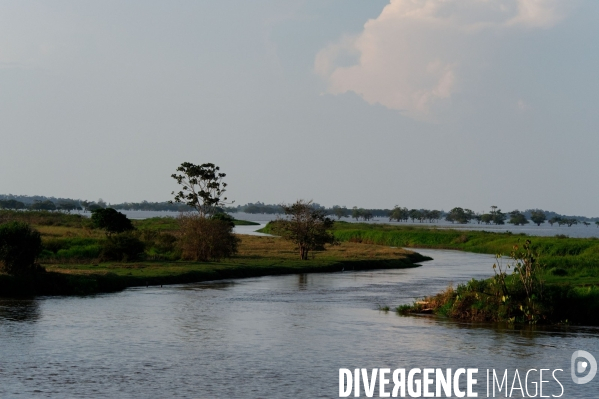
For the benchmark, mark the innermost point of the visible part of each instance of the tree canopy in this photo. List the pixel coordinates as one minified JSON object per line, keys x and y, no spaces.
{"x":538,"y":217}
{"x":306,"y":227}
{"x":517,"y":218}
{"x":202,"y":187}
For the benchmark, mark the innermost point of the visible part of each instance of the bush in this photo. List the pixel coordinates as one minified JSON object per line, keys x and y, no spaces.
{"x":204,"y":239}
{"x":159,"y":244}
{"x":111,"y":220}
{"x":122,"y":247}
{"x":20,"y":246}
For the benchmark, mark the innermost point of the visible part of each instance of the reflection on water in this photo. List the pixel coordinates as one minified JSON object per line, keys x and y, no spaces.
{"x":269,"y":337}
{"x":211,"y":285}
{"x":302,"y":281}
{"x":19,"y":310}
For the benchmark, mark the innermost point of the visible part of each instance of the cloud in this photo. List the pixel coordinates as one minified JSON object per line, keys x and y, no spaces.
{"x":409,"y":57}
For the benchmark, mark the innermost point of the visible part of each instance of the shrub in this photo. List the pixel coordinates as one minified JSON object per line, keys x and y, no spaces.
{"x":204,"y":239}
{"x":122,"y":247}
{"x":160,"y":245}
{"x":20,"y":246}
{"x":111,"y":220}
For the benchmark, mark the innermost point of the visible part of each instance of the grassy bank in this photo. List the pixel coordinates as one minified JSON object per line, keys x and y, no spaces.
{"x":257,"y":256}
{"x":566,"y":260}
{"x":566,"y":281}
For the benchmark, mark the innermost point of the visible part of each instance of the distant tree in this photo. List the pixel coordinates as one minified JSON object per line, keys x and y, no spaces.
{"x":469,"y":215}
{"x":424,"y":215}
{"x":11,"y":204}
{"x":587,"y":224}
{"x":340,"y":211}
{"x":67,"y":206}
{"x":356,"y":213}
{"x":538,"y":217}
{"x":597,"y":223}
{"x":499,"y":217}
{"x":366,"y":214}
{"x":459,"y":215}
{"x":202,"y":187}
{"x":517,"y":218}
{"x":415,"y":214}
{"x":434,"y":215}
{"x":486,"y":218}
{"x":571,"y":221}
{"x":20,"y":246}
{"x":307,"y":227}
{"x":111,"y":220}
{"x":46,"y":205}
{"x":554,"y":219}
{"x":399,"y":214}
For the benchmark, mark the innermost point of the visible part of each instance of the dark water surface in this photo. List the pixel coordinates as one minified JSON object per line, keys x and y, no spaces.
{"x":270,"y":337}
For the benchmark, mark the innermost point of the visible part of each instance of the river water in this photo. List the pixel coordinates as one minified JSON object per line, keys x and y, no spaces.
{"x":269,"y":337}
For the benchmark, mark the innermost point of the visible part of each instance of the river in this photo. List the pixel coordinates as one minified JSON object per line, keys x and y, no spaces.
{"x":268,"y":337}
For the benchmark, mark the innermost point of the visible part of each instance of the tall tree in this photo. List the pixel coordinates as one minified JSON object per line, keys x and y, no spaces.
{"x":202,"y":187}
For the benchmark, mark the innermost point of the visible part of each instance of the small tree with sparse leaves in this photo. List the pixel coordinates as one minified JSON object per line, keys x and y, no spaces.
{"x":307,"y":227}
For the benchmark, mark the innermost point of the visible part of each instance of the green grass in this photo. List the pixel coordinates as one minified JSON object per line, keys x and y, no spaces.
{"x":169,"y":223}
{"x":257,"y":256}
{"x":578,"y":258}
{"x":166,"y":223}
{"x":570,"y":272}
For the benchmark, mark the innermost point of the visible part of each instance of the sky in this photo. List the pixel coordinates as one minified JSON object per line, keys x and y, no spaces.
{"x":417,"y":103}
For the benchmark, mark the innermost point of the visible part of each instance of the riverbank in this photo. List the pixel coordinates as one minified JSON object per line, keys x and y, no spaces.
{"x":567,"y":278}
{"x":566,"y":260}
{"x":257,"y":256}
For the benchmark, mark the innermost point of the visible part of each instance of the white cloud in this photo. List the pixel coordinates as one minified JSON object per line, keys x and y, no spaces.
{"x":409,"y":57}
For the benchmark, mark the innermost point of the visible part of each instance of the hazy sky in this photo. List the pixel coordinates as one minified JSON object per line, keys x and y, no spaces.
{"x":417,"y":103}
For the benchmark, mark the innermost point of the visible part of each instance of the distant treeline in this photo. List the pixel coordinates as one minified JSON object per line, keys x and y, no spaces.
{"x":398,"y":214}
{"x":42,"y":203}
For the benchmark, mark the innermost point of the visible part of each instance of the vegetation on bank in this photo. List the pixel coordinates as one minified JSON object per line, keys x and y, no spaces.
{"x":81,"y":259}
{"x":518,"y":297}
{"x":550,"y":280}
{"x":306,"y":227}
{"x":566,"y":260}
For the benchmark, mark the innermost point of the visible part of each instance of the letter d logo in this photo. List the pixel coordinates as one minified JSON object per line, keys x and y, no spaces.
{"x":581,"y":366}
